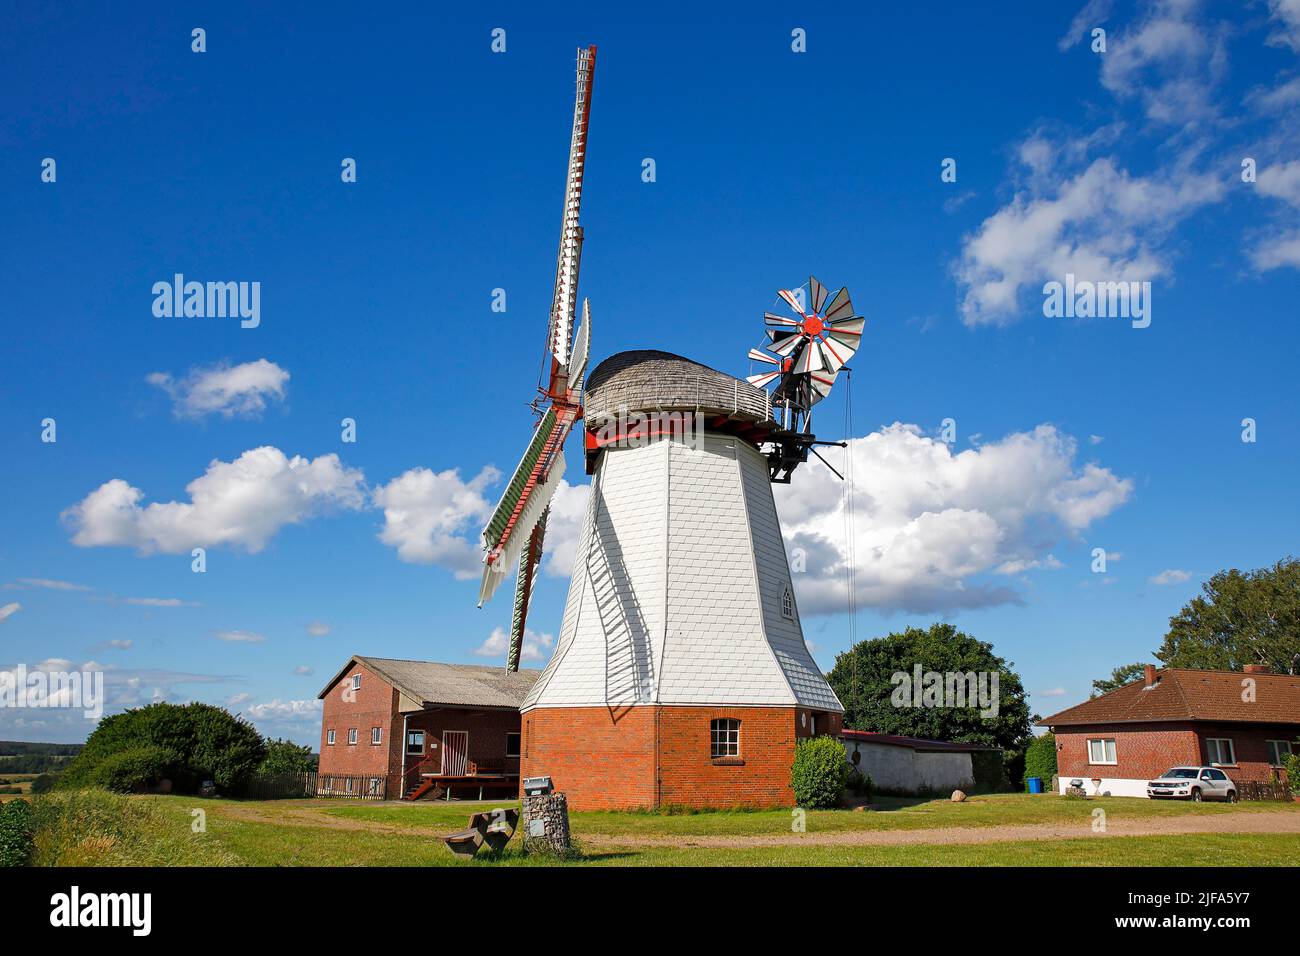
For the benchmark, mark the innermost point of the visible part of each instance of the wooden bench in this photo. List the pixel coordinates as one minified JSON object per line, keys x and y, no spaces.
{"x":493,"y":827}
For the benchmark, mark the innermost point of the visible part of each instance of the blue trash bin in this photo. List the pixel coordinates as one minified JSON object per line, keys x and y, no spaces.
{"x":1035,"y":784}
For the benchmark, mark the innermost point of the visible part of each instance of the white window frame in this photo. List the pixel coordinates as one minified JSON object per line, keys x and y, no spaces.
{"x":724,"y":738}
{"x":1114,"y":751}
{"x":1218,"y":742}
{"x":329,"y":737}
{"x":352,"y":736}
{"x":787,"y":604}
{"x":356,"y":681}
{"x":409,"y":735}
{"x":1275,"y":749}
{"x":376,"y":736}
{"x":519,"y":744}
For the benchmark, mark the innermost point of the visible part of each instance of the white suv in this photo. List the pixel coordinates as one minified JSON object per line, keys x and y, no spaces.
{"x":1193,"y":783}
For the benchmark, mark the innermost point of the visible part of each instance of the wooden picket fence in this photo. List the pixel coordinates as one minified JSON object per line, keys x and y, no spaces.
{"x":288,"y":786}
{"x":1254,"y":790}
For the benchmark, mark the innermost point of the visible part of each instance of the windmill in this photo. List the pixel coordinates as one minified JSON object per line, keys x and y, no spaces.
{"x":515,"y":533}
{"x":808,"y":353}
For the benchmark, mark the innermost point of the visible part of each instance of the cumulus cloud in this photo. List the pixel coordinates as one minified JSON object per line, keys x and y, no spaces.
{"x":1093,"y":14}
{"x":427,"y":512}
{"x":223,"y":389}
{"x":1285,"y":18}
{"x":1170,"y":576}
{"x":286,"y":711}
{"x":563,"y":527}
{"x":9,"y":609}
{"x":242,"y":504}
{"x":536,"y":645}
{"x":933,"y":529}
{"x":1102,"y":225}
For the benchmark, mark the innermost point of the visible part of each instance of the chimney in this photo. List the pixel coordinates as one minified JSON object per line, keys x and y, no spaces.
{"x":1149,"y":672}
{"x":1257,"y":669}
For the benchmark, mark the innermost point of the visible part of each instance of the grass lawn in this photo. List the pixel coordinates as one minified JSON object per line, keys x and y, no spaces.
{"x":338,"y":833}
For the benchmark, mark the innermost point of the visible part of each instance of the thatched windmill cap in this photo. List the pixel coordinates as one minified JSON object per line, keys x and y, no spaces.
{"x":647,"y":380}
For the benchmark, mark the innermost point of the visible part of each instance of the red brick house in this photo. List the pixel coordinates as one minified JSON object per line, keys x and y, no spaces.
{"x":1243,"y":722}
{"x":420,"y":728}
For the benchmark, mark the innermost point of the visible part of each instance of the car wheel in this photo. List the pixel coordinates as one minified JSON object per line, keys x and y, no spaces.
{"x":1232,"y":796}
{"x":1196,"y":795}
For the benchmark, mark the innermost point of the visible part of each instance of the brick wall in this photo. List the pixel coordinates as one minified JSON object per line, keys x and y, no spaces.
{"x":373,"y":704}
{"x":487,"y":731}
{"x":1143,"y":751}
{"x":606,"y":760}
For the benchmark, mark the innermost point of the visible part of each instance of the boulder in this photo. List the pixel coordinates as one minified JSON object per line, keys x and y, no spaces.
{"x":958,"y":796}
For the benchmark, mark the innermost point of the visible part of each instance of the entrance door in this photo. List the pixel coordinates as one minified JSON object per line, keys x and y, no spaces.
{"x":455,"y":752}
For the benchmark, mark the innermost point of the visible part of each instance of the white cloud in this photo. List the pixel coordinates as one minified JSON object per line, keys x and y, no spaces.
{"x":535,"y":647}
{"x":46,"y":583}
{"x":1054,"y":692}
{"x":425,"y":513}
{"x":318,"y":629}
{"x":929,"y":523}
{"x":1286,"y":14}
{"x":286,"y":711}
{"x":1281,"y":181}
{"x":1277,"y":252}
{"x":223,"y":389}
{"x":242,"y":503}
{"x":9,"y":609}
{"x":117,"y":645}
{"x":563,"y":527}
{"x":240,"y":637}
{"x":158,"y":602}
{"x":1095,"y":439}
{"x":238,"y":700}
{"x":1093,"y":14}
{"x":304,"y":671}
{"x":1101,"y":224}
{"x":1170,"y":576}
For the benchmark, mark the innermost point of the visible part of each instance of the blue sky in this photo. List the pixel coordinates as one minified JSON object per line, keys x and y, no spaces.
{"x":1071,"y":434}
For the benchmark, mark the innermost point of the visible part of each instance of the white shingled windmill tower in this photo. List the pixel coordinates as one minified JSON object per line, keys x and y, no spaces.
{"x":680,"y":675}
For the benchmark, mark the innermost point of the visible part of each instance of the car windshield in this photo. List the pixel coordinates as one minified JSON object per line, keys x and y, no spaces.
{"x":1180,"y":773}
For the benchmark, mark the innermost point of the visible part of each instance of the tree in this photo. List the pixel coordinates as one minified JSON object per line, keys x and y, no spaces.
{"x":186,"y":744}
{"x":285,"y":756}
{"x":1120,"y":676}
{"x":867,"y":679}
{"x":1238,"y":619}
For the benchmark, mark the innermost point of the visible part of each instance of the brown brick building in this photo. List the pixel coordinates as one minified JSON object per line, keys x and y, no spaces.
{"x":1243,"y":722}
{"x":420,"y":728}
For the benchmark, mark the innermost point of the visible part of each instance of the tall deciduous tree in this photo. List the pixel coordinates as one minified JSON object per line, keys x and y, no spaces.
{"x":1120,"y":676}
{"x":1240,"y":618}
{"x":864,"y":679}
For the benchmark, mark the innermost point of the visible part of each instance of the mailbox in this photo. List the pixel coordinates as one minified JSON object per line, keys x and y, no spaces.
{"x":537,"y":786}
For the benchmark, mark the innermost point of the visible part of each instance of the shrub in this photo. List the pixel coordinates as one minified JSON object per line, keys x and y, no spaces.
{"x":819,"y":772}
{"x":989,"y":770}
{"x":285,"y":756}
{"x":135,"y":769}
{"x":1040,"y":760}
{"x":202,"y":743}
{"x":15,"y":833}
{"x":44,"y":783}
{"x":1292,"y":764}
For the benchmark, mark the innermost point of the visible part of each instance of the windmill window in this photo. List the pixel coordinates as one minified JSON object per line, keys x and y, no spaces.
{"x":725,"y":737}
{"x":787,"y":605}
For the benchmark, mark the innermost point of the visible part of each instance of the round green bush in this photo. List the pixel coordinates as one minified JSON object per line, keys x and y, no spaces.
{"x":819,"y":773}
{"x":135,"y":769}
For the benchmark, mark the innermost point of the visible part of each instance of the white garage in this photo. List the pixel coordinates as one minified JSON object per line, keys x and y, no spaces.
{"x":911,"y":765}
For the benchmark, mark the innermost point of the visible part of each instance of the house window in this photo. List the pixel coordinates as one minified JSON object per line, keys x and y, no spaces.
{"x":1219,"y":752}
{"x":1101,"y":750}
{"x":356,"y":681}
{"x":376,"y":735}
{"x":415,"y":742}
{"x":724,"y":736}
{"x":329,"y":737}
{"x":512,"y":745}
{"x":787,"y":605}
{"x":1278,"y":751}
{"x":352,"y":735}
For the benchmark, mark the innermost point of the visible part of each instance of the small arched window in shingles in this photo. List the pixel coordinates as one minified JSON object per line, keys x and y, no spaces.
{"x":787,"y":604}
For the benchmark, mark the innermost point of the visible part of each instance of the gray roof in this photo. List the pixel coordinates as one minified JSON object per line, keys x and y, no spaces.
{"x":650,"y":380}
{"x":458,"y":685}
